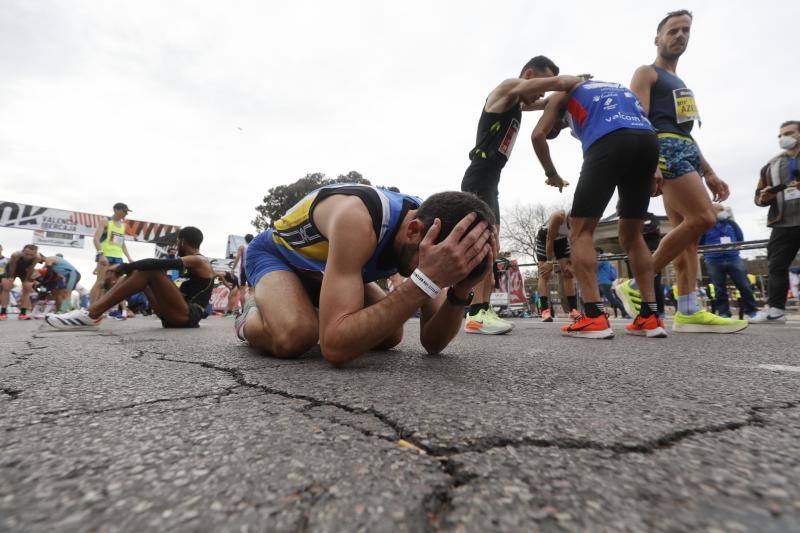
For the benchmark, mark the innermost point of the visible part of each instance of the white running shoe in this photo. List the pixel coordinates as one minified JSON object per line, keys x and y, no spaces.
{"x":77,"y":320}
{"x":240,"y":320}
{"x":767,"y":316}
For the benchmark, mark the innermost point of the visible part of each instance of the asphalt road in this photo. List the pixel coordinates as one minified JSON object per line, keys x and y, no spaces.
{"x":136,"y":428}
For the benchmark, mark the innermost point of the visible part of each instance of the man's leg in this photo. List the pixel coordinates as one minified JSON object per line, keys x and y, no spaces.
{"x":781,"y":251}
{"x":97,"y":289}
{"x":718,"y":273}
{"x":689,"y":209}
{"x":568,"y":280}
{"x":172,"y":306}
{"x":284,"y":323}
{"x":641,"y":261}
{"x":27,"y":289}
{"x":5,"y":293}
{"x":584,"y":259}
{"x":738,"y":274}
{"x":543,"y":287}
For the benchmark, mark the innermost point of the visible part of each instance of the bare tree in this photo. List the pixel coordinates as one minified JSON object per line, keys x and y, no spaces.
{"x":518,"y":228}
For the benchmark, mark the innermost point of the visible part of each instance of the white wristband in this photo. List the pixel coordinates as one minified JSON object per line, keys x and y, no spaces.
{"x":424,"y":282}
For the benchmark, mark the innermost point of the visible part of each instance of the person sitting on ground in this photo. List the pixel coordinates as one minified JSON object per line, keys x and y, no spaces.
{"x":356,"y":235}
{"x":177,"y":308}
{"x":20,"y":265}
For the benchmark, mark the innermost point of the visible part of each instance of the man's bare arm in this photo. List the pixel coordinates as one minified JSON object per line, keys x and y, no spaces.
{"x":97,"y":235}
{"x":643,"y":80}
{"x":347,"y":329}
{"x":548,"y":120}
{"x":527,"y":91}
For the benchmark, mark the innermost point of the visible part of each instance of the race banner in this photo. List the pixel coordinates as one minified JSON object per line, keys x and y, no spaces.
{"x":57,"y":238}
{"x":512,"y":289}
{"x":34,"y":217}
{"x":234,"y":241}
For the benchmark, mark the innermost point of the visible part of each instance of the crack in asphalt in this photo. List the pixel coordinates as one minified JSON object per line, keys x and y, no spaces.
{"x":226,"y":392}
{"x":438,"y":503}
{"x":14,"y":393}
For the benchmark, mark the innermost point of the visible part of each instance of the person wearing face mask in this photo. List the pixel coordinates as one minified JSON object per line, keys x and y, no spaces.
{"x":721,"y":265}
{"x":777,"y":189}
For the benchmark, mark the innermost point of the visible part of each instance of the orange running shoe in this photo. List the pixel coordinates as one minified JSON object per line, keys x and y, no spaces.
{"x":574,"y":314}
{"x":589,"y":328}
{"x":547,"y":316}
{"x":652,"y":327}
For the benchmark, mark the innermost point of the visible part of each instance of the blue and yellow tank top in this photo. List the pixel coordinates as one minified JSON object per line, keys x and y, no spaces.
{"x":596,"y":108}
{"x":302,"y":245}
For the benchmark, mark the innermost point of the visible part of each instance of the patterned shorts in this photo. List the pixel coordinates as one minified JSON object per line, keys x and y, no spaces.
{"x":678,"y":155}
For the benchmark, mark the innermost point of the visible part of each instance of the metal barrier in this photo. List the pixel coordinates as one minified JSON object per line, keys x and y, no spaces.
{"x":708,"y":249}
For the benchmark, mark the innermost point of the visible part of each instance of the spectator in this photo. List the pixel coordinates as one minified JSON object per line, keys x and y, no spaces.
{"x":720,"y":265}
{"x":777,"y":189}
{"x":606,"y":275}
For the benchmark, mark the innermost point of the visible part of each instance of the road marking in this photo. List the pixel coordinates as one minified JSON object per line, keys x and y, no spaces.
{"x":780,"y":368}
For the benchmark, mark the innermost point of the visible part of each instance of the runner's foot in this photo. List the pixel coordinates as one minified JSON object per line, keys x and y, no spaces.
{"x":78,"y":319}
{"x":705,"y":322}
{"x":574,"y":314}
{"x":483,"y":323}
{"x":651,"y":327}
{"x":241,"y":319}
{"x":768,"y":316}
{"x":547,"y":316}
{"x":589,"y":328}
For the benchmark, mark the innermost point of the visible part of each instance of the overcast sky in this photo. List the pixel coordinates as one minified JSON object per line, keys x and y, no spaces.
{"x":190,"y":111}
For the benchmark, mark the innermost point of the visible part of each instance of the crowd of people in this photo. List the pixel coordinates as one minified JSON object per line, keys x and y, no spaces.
{"x":636,"y":140}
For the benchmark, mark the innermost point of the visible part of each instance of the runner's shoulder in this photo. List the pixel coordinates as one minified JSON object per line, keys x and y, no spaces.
{"x":646,"y":73}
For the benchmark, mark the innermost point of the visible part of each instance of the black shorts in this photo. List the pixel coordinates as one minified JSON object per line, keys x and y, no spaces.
{"x":560,"y":246}
{"x":625,"y":160}
{"x":482,"y":181}
{"x":242,"y":277}
{"x":196,"y":314}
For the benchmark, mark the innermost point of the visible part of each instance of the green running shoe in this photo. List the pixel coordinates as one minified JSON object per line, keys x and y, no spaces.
{"x":705,"y":322}
{"x":631,"y":298}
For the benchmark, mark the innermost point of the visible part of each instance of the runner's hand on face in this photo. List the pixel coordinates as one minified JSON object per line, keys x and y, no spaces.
{"x":452,"y":260}
{"x":718,"y":187}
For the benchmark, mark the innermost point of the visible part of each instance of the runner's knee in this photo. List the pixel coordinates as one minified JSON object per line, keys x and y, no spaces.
{"x":293,"y":341}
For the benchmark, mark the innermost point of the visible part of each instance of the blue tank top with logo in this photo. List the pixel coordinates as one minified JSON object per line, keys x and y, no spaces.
{"x":597,"y":108}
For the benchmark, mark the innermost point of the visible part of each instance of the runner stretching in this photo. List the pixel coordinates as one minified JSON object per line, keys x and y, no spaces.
{"x":355,"y":235}
{"x":20,"y":265}
{"x":177,"y":308}
{"x":672,"y":110}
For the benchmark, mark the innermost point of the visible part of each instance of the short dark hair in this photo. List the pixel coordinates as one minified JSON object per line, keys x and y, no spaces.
{"x":30,"y":246}
{"x":248,"y":238}
{"x":192,"y":236}
{"x":540,"y":63}
{"x":673,"y":14}
{"x":450,"y":207}
{"x":791,"y":123}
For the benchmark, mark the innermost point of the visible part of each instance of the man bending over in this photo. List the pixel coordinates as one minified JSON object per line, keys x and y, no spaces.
{"x":331,"y":247}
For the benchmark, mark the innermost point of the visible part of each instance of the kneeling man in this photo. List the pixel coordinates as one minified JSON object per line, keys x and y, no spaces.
{"x":331,"y":247}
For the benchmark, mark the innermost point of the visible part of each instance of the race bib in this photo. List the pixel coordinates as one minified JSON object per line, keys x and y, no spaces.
{"x":117,"y":239}
{"x":791,"y":193}
{"x":511,"y":136}
{"x":685,"y":106}
{"x":725,"y":240}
